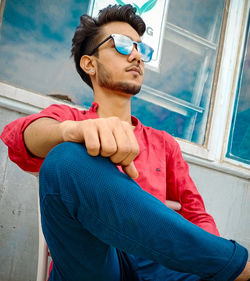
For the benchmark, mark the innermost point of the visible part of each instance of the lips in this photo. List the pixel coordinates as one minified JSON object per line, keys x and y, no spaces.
{"x":134,"y":68}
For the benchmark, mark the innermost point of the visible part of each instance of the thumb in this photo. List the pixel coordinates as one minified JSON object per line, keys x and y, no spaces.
{"x":131,"y":170}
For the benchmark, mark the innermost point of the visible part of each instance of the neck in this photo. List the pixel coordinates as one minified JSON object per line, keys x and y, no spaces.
{"x":113,"y":104}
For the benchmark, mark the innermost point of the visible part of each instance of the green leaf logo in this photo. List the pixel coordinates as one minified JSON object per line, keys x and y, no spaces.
{"x":120,"y":2}
{"x":149,"y":5}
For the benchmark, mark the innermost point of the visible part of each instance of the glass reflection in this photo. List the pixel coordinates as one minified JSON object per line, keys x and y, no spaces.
{"x":239,"y":147}
{"x":35,"y":48}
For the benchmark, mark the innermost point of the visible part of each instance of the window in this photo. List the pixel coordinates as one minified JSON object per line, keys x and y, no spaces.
{"x":178,"y":97}
{"x":35,"y":48}
{"x":239,"y":140}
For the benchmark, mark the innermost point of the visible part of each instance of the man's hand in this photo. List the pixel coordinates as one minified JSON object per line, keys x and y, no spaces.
{"x":109,"y":137}
{"x":174,"y":205}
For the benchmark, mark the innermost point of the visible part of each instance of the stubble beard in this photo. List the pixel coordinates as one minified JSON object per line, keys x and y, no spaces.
{"x":105,"y":80}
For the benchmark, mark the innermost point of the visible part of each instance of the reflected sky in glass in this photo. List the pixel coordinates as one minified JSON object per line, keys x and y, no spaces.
{"x":199,"y":17}
{"x":35,"y":43}
{"x":239,"y":144}
{"x":35,"y":47}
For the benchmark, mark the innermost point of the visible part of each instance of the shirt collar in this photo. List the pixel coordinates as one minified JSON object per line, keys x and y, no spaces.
{"x":94,"y":107}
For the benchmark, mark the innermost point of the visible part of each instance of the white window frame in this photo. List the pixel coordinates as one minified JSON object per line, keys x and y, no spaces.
{"x":237,"y":73}
{"x":212,"y":154}
{"x":214,"y":150}
{"x":2,"y":5}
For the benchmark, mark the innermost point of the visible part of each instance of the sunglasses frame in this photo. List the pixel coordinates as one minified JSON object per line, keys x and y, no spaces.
{"x":113,"y":36}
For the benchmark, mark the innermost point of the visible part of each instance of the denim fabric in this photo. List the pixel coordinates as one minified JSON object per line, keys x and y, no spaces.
{"x":90,"y":210}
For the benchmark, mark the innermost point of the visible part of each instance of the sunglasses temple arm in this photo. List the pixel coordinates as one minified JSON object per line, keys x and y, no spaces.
{"x":105,"y":40}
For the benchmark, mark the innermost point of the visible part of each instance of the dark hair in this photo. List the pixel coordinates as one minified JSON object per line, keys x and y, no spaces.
{"x":88,"y":33}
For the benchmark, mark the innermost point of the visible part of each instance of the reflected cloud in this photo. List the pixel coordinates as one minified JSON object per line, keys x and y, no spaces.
{"x":35,"y":47}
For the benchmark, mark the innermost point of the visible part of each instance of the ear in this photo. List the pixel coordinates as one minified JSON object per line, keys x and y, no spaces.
{"x":87,"y":65}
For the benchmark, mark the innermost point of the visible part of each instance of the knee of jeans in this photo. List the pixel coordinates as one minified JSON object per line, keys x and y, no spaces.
{"x":68,"y":155}
{"x":64,"y":154}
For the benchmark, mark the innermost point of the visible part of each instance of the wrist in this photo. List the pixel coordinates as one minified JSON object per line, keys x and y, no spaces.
{"x":70,"y":131}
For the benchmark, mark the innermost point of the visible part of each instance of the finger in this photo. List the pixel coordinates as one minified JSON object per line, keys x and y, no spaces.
{"x":134,"y":147}
{"x":123,"y":145}
{"x":91,"y":139}
{"x":131,"y":170}
{"x":174,"y":205}
{"x":107,"y":139}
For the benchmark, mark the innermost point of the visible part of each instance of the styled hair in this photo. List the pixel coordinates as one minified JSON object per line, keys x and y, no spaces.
{"x":89,"y":32}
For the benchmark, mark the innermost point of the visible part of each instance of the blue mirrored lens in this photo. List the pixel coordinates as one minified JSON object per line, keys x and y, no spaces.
{"x":146,"y":51}
{"x":124,"y":45}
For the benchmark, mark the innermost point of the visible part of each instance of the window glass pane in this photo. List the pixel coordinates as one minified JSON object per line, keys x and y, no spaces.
{"x":239,"y":142}
{"x":35,"y":48}
{"x":198,"y":17}
{"x":184,"y":82}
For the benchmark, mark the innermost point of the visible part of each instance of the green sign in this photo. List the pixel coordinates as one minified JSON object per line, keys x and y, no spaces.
{"x":144,"y":8}
{"x":153,"y":12}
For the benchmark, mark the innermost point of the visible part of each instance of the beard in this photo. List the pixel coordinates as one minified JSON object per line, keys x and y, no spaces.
{"x":105,"y":80}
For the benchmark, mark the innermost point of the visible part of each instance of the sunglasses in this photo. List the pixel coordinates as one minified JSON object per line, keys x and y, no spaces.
{"x":124,"y":45}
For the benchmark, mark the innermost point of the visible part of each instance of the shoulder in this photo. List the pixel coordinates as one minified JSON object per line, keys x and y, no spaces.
{"x":63,"y":112}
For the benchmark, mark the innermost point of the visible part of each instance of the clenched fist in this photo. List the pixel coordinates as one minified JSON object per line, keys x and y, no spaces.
{"x":109,"y":137}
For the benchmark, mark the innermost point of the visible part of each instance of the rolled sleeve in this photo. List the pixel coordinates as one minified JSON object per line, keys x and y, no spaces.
{"x":12,"y":135}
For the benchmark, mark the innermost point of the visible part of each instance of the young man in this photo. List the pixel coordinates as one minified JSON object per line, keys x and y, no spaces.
{"x":99,"y":223}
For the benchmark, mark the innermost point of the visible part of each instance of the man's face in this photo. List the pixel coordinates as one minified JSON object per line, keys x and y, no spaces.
{"x":115,"y":71}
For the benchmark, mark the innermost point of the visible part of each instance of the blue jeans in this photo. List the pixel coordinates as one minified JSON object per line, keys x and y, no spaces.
{"x":101,"y":226}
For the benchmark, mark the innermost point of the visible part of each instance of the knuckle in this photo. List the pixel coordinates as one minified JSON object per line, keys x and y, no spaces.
{"x":93,"y":149}
{"x":126,"y":124}
{"x":135,"y":150}
{"x":115,"y":120}
{"x":109,"y":150}
{"x":88,"y":125}
{"x":126,"y":162}
{"x":125,"y":149}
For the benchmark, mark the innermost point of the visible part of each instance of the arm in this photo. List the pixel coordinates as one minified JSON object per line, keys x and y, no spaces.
{"x":181,"y":188}
{"x":42,"y":135}
{"x":109,"y":137}
{"x":13,"y":135}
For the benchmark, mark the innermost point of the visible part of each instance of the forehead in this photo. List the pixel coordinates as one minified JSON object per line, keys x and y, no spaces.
{"x":120,"y":28}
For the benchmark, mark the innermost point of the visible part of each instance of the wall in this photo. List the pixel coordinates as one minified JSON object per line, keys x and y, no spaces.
{"x":226,"y":197}
{"x":18,"y":216}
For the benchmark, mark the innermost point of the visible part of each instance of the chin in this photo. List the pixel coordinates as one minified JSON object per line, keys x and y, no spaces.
{"x":131,"y":88}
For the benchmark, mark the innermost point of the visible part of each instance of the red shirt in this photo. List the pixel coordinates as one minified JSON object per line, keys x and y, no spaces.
{"x":162,"y":170}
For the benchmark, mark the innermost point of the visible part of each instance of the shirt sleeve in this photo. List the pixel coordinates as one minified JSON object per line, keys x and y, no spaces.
{"x":12,"y":135}
{"x":181,"y":188}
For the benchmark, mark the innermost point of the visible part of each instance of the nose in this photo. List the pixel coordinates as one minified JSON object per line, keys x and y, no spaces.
{"x":135,"y":55}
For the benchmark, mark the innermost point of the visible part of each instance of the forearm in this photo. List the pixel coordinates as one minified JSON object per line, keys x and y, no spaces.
{"x":42,"y":135}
